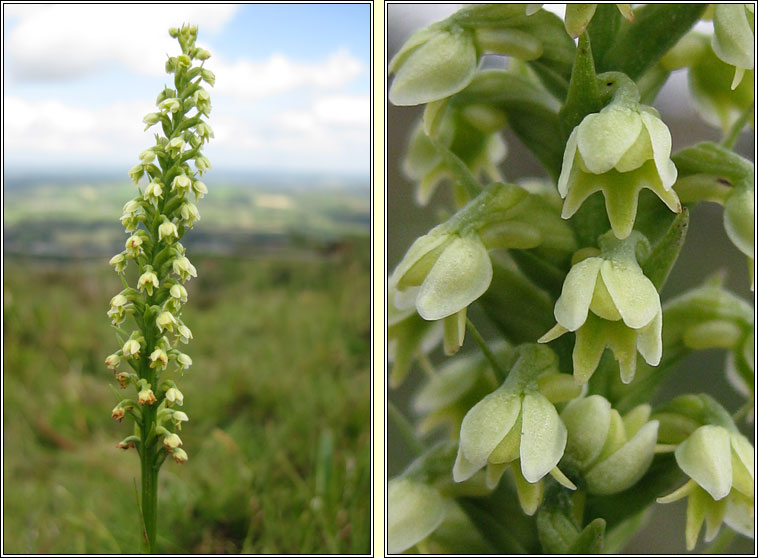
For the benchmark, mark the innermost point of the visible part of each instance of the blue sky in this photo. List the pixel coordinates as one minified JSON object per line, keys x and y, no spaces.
{"x":292,"y":84}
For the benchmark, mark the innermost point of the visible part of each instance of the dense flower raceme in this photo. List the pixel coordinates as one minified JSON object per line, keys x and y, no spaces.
{"x":157,"y":219}
{"x":619,"y":151}
{"x":518,"y":422}
{"x":609,"y":302}
{"x":449,"y":268}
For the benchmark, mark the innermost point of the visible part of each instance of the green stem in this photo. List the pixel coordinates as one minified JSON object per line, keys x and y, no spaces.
{"x":489,"y":355}
{"x":405,"y":429}
{"x":734,"y":132}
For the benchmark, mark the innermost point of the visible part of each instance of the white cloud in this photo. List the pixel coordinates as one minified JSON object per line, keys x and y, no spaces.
{"x":53,"y":127}
{"x":246,"y":80}
{"x":65,"y":41}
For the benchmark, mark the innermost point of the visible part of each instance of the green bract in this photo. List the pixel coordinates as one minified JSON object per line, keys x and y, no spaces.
{"x":611,"y":452}
{"x":618,"y":151}
{"x":608,"y":302}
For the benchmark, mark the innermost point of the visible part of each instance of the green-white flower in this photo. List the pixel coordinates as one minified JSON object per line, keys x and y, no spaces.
{"x":440,"y":60}
{"x":734,"y":37}
{"x":721,"y":466}
{"x":619,"y":151}
{"x":609,"y":302}
{"x":612,"y":452}
{"x":518,"y":422}
{"x":414,"y":511}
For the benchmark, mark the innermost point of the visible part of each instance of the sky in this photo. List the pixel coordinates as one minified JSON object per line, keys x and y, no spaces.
{"x":292,"y":88}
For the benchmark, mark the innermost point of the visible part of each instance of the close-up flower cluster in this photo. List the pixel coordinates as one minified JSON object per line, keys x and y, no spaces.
{"x":157,"y":219}
{"x":533,"y":305}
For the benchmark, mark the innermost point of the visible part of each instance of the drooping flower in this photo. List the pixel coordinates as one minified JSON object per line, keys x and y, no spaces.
{"x":721,"y":465}
{"x":517,"y":422}
{"x":619,"y":151}
{"x":609,"y":302}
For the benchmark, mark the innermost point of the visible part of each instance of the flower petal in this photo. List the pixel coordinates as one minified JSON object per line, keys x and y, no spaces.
{"x":568,"y":164}
{"x":706,"y":458}
{"x":743,"y":464}
{"x":439,"y":67}
{"x":460,"y":275}
{"x":543,"y":439}
{"x":633,"y":294}
{"x":626,"y":466}
{"x":574,"y":303}
{"x":660,"y":139}
{"x":649,"y":342}
{"x":605,"y":137}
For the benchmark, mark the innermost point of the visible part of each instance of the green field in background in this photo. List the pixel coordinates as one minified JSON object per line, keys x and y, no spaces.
{"x":278,"y":396}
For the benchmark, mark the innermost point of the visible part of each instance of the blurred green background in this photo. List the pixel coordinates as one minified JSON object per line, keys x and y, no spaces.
{"x":278,"y":396}
{"x":706,"y":251}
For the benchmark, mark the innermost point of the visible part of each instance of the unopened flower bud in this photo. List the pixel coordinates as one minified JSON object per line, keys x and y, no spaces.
{"x":202,"y":54}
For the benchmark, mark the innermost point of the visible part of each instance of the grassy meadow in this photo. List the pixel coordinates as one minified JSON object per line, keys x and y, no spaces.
{"x":278,"y":396}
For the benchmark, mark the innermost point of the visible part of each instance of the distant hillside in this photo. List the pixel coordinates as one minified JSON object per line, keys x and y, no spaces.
{"x":79,"y":217}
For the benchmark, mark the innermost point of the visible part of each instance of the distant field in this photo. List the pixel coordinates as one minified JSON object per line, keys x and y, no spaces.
{"x":80,"y":217}
{"x":278,"y":396}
